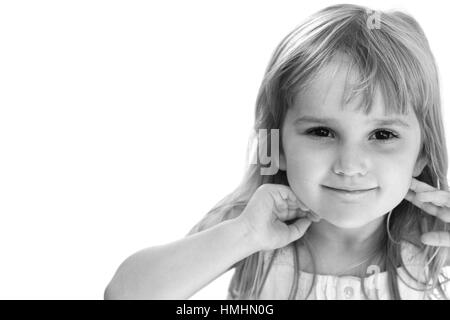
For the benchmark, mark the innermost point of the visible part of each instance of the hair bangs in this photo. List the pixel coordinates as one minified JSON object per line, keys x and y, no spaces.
{"x":382,"y":59}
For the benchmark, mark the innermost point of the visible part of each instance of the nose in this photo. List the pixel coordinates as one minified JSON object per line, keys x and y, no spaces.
{"x":351,"y":161}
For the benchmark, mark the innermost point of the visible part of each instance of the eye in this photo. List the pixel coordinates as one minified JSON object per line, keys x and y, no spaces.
{"x":322,"y":131}
{"x":383,"y":135}
{"x":386,"y":134}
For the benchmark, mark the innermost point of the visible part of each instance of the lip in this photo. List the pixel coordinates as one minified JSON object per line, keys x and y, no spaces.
{"x":350,"y":195}
{"x":349,"y":189}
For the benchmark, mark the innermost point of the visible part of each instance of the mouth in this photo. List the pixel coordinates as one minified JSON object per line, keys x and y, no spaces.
{"x":351,"y":191}
{"x":350,"y":194}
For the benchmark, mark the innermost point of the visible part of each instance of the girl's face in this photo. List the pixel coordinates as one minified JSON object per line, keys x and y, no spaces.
{"x":346,"y":149}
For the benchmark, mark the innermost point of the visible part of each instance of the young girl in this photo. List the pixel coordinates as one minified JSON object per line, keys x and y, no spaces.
{"x":358,"y":206}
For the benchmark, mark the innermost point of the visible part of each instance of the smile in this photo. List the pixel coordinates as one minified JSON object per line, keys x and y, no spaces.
{"x":350,"y":195}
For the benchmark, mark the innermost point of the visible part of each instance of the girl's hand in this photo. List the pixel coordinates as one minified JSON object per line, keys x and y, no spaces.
{"x":267,"y":213}
{"x":435,"y":202}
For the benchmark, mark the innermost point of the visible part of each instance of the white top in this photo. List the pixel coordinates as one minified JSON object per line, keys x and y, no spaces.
{"x":330,"y":287}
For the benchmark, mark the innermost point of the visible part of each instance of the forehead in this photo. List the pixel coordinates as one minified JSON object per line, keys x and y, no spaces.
{"x":326,"y":92}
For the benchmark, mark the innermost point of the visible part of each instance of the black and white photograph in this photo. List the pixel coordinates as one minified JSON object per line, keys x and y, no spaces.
{"x":224,"y":150}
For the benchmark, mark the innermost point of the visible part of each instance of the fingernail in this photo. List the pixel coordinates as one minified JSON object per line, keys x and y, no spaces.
{"x":427,"y":239}
{"x":304,"y":208}
{"x":314,"y":217}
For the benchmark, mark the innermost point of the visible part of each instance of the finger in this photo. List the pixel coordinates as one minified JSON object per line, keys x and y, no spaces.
{"x":294,"y":217}
{"x":296,"y":208}
{"x":419,"y":186}
{"x":304,"y":209}
{"x":287,"y":194}
{"x":439,"y":212}
{"x":285,"y":211}
{"x":284,"y":195}
{"x":314,"y":216}
{"x":292,"y":198}
{"x":298,"y":229}
{"x":295,"y":204}
{"x":436,"y":238}
{"x":439,"y":197}
{"x":411,"y":197}
{"x":303,"y":206}
{"x":442,"y":213}
{"x":299,"y":213}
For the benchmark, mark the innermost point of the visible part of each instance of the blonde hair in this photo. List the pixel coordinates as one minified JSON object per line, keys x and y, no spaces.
{"x":396,"y":57}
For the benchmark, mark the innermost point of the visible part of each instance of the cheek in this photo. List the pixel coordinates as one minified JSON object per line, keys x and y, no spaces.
{"x":305,"y":172}
{"x":394,"y":176}
{"x":303,"y":165}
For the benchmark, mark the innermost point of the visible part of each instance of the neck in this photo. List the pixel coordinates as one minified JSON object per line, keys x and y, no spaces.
{"x":336,"y":249}
{"x":362,"y":239}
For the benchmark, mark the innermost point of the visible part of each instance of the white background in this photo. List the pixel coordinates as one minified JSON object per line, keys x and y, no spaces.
{"x":123,"y":122}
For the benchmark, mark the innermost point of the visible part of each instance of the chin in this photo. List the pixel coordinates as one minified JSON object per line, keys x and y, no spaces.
{"x":349,"y":223}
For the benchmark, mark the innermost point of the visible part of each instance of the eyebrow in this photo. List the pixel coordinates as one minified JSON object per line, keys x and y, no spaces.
{"x":381,"y":122}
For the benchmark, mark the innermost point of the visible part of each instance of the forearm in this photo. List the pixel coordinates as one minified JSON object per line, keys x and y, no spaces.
{"x":179,"y":269}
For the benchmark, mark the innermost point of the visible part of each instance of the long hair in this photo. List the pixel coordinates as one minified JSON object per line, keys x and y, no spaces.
{"x":394,"y":56}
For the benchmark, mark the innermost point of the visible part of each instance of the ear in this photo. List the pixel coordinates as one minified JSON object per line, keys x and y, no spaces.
{"x":420,"y":165}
